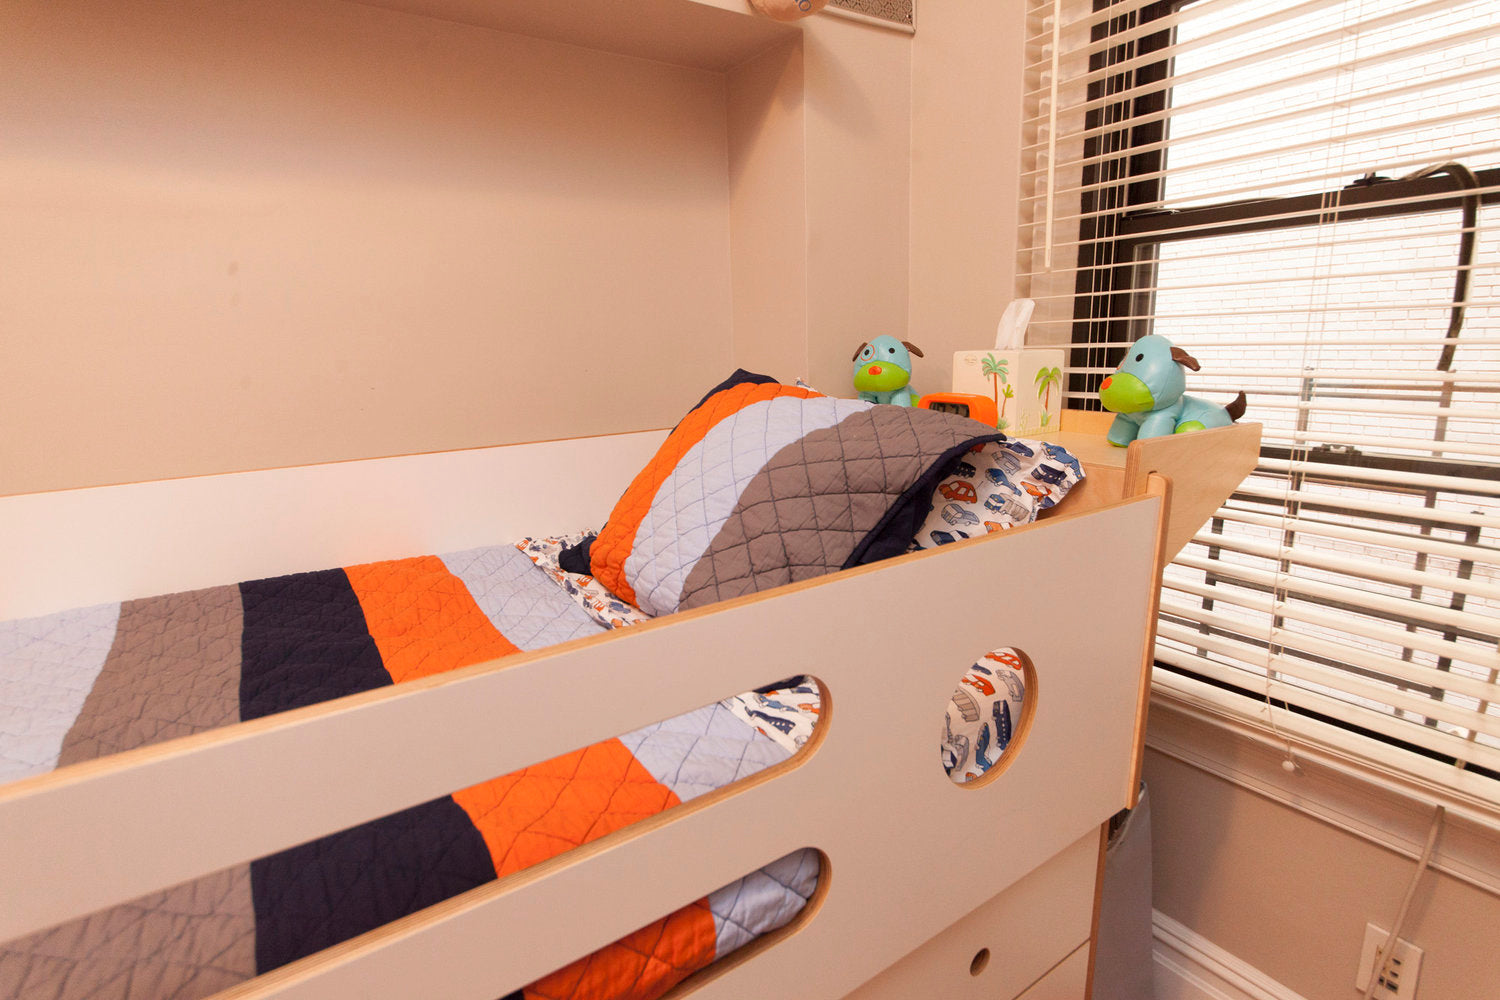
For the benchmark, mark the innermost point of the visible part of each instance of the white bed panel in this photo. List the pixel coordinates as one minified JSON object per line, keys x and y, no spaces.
{"x":111,"y":543}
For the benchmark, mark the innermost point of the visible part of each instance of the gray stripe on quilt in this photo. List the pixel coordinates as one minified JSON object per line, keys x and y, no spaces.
{"x":705,"y":749}
{"x":704,"y":488}
{"x":519,"y":599}
{"x":47,"y":667}
{"x":180,"y":944}
{"x":173,"y":670}
{"x":763,"y":900}
{"x":813,"y":502}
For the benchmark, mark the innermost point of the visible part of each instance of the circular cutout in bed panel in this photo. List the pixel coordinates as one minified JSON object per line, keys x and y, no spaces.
{"x":988,"y":716}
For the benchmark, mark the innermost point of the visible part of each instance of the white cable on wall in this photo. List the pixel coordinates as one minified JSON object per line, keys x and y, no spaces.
{"x":1384,"y":954}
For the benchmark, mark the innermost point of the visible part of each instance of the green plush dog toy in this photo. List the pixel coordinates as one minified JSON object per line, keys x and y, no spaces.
{"x":1147,"y":395}
{"x":882,"y":371}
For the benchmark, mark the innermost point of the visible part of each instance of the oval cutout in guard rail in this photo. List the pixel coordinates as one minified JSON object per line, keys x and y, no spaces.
{"x":988,"y":716}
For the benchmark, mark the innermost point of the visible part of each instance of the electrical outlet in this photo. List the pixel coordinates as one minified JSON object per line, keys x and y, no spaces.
{"x":1400,"y":979}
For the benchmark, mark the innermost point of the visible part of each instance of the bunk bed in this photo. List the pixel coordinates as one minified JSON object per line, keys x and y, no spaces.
{"x":922,"y":884}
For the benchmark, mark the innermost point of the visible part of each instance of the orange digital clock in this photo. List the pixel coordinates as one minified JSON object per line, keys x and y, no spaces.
{"x":965,"y":404}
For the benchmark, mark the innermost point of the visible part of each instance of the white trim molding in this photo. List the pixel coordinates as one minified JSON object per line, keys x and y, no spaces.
{"x":1188,"y":966}
{"x":1353,"y":796}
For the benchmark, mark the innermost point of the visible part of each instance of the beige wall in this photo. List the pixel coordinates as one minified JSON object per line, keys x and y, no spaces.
{"x":966,"y":155}
{"x":252,"y":233}
{"x":820,"y":151}
{"x":1291,"y":895}
{"x":243,"y":234}
{"x":905,"y":197}
{"x":859,"y":126}
{"x":768,"y":211}
{"x":909,"y":187}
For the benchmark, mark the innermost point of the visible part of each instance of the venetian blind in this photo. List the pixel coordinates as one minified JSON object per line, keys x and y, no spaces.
{"x":1303,"y":195}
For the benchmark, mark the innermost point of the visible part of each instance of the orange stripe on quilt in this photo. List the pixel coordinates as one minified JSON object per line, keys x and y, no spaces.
{"x":640,"y":966}
{"x":423,"y":619}
{"x":617,"y":539}
{"x":531,"y":815}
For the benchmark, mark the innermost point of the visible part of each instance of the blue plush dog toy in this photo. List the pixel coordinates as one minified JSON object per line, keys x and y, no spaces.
{"x":882,"y":371}
{"x":1146,"y":394}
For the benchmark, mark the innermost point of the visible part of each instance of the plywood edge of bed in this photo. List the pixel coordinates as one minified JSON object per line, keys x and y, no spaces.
{"x":1194,"y":474}
{"x":1204,"y":467}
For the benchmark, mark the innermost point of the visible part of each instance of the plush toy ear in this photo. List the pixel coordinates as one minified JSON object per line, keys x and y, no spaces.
{"x":861,"y":347}
{"x":1185,"y":359}
{"x":788,"y":10}
{"x":913,"y":348}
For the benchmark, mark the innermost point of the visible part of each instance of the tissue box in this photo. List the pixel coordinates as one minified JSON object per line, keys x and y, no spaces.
{"x":1026,"y":384}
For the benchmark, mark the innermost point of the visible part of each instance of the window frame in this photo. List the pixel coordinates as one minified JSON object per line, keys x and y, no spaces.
{"x":1133,"y":228}
{"x":1122,"y":224}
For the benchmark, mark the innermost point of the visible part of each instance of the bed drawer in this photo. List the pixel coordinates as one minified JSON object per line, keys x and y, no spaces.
{"x":1008,"y":943}
{"x":1066,"y":982}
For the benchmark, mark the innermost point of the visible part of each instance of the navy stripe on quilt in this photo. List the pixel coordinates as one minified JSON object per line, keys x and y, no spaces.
{"x":305,"y":641}
{"x":333,"y":888}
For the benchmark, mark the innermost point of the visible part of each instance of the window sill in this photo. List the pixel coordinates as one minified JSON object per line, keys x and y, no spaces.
{"x":1208,"y":728}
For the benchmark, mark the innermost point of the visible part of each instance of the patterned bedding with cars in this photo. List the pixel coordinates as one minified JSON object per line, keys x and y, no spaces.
{"x":1004,"y":484}
{"x":1000,"y":486}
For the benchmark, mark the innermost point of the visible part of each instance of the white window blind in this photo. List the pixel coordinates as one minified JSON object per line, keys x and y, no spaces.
{"x":1305,"y":196}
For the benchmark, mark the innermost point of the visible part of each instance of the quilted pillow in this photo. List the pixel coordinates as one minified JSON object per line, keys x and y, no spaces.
{"x":763,"y":484}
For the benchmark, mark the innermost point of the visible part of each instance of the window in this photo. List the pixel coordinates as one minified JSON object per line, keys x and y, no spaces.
{"x":1304,"y":195}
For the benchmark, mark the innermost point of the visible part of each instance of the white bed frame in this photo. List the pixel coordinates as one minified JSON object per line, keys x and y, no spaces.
{"x":928,"y":889}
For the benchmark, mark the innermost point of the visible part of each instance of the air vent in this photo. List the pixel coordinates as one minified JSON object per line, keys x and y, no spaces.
{"x":900,"y":12}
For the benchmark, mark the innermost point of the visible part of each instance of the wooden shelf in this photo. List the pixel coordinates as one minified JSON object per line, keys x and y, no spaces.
{"x":704,"y":34}
{"x":1203,"y":468}
{"x":1083,"y":433}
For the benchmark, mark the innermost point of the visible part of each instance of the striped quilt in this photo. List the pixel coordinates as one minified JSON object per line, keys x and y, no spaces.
{"x":763,"y":484}
{"x":81,"y":684}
